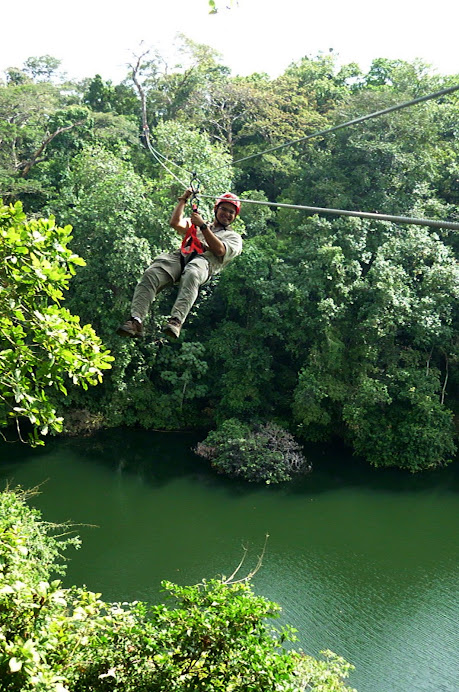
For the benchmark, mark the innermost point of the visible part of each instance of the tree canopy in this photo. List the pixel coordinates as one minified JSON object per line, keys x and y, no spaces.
{"x":324,"y":326}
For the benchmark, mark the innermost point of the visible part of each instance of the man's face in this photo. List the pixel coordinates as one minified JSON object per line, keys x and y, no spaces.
{"x":226,"y":213}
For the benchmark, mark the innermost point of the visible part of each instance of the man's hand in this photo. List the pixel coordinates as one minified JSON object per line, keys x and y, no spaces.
{"x":213,"y":243}
{"x":197,"y":219}
{"x":177,"y":222}
{"x":185,"y":196}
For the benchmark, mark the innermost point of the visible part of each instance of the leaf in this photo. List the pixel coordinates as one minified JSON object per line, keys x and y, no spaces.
{"x":14,"y":665}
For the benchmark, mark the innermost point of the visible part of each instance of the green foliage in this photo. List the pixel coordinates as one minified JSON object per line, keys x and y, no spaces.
{"x":120,"y":223}
{"x":112,"y":219}
{"x":385,"y":380}
{"x":166,"y":388}
{"x":178,"y":93}
{"x":24,"y":109}
{"x":192,"y":151}
{"x":257,"y":218}
{"x":214,"y":636}
{"x":41,"y":68}
{"x":381,"y":166}
{"x":317,"y":317}
{"x":396,"y":419}
{"x":43,"y":346}
{"x":256,"y":453}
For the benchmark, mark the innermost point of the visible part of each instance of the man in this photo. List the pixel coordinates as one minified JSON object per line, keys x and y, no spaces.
{"x":206,"y":250}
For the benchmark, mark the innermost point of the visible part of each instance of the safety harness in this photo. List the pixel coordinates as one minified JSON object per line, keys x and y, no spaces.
{"x":191,"y":245}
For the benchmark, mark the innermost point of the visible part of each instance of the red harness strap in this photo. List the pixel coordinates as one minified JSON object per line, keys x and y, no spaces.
{"x":191,"y":242}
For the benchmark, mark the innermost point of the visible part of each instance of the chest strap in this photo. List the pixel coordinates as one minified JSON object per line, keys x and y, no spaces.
{"x":191,"y":242}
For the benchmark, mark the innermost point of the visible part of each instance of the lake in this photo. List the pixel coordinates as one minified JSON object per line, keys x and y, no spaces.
{"x":362,"y":561}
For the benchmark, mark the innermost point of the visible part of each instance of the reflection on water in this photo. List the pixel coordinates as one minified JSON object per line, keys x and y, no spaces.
{"x":363,"y":562}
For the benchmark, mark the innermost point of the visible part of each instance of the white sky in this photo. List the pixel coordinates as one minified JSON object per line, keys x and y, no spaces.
{"x":98,"y":36}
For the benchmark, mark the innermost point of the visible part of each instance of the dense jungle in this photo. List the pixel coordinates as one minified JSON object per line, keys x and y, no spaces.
{"x":325,"y":326}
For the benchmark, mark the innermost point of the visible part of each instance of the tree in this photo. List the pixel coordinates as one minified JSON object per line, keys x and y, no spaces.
{"x":231,"y":104}
{"x":257,"y":218}
{"x":282,"y":110}
{"x":15,"y":76}
{"x":43,"y":347}
{"x":319,"y":78}
{"x":386,"y":380}
{"x":387,"y":164}
{"x":42,"y":68}
{"x":34,"y":133}
{"x":99,"y":95}
{"x":24,"y":109}
{"x":177,"y":93}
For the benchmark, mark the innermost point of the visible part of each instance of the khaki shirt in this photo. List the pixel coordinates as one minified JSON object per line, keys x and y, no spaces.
{"x":170,"y":261}
{"x":231,"y":240}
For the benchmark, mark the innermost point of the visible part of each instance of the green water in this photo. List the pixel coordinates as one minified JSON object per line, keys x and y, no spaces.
{"x":363,"y":562}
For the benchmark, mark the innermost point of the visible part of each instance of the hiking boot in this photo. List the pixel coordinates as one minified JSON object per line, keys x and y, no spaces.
{"x":172,"y":328}
{"x":132,"y":328}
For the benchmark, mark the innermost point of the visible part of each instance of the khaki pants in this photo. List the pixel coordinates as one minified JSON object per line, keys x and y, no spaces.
{"x":165,"y":271}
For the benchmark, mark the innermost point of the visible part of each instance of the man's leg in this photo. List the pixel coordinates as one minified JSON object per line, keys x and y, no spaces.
{"x":152,"y":282}
{"x":195,"y":274}
{"x":155,"y":278}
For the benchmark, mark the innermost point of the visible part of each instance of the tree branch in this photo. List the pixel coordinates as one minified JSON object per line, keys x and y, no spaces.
{"x":27,"y":165}
{"x":140,"y":89}
{"x":248,"y":577}
{"x":443,"y":391}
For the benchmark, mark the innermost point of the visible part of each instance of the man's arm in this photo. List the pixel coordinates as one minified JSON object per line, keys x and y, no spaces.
{"x":181,"y":225}
{"x":177,"y":221}
{"x":213,"y":243}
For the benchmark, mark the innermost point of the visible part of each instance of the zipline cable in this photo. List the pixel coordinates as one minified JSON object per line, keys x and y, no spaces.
{"x":361,"y":119}
{"x":157,"y":157}
{"x":146,"y":129}
{"x":360,"y":214}
{"x":317,"y":210}
{"x":158,"y":154}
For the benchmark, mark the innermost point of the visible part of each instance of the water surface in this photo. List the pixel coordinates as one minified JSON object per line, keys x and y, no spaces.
{"x":362,"y":561}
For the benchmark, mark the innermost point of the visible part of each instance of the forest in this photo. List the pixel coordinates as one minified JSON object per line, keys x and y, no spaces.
{"x":326,"y":327}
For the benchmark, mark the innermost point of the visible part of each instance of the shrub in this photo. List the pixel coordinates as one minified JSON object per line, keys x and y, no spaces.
{"x":260,"y":453}
{"x":43,"y":347}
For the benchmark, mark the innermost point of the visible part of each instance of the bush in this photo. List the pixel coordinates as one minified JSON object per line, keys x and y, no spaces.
{"x":262,"y":453}
{"x":43,"y":347}
{"x":214,"y":637}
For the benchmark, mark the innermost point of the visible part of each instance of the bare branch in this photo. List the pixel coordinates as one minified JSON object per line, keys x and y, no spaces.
{"x":244,"y":555}
{"x":428,"y":362}
{"x":140,"y":89}
{"x":252,"y":573}
{"x":443,"y":391}
{"x":27,"y":165}
{"x":19,"y":431}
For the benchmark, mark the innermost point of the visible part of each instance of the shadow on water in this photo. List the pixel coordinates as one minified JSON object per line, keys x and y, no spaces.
{"x":155,"y":456}
{"x":158,"y":458}
{"x":335,"y":467}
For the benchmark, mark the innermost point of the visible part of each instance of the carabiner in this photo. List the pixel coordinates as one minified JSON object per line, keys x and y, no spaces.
{"x":193,"y":179}
{"x":194,"y":191}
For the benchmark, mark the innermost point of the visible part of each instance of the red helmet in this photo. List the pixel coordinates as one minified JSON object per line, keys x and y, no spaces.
{"x":231,"y":199}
